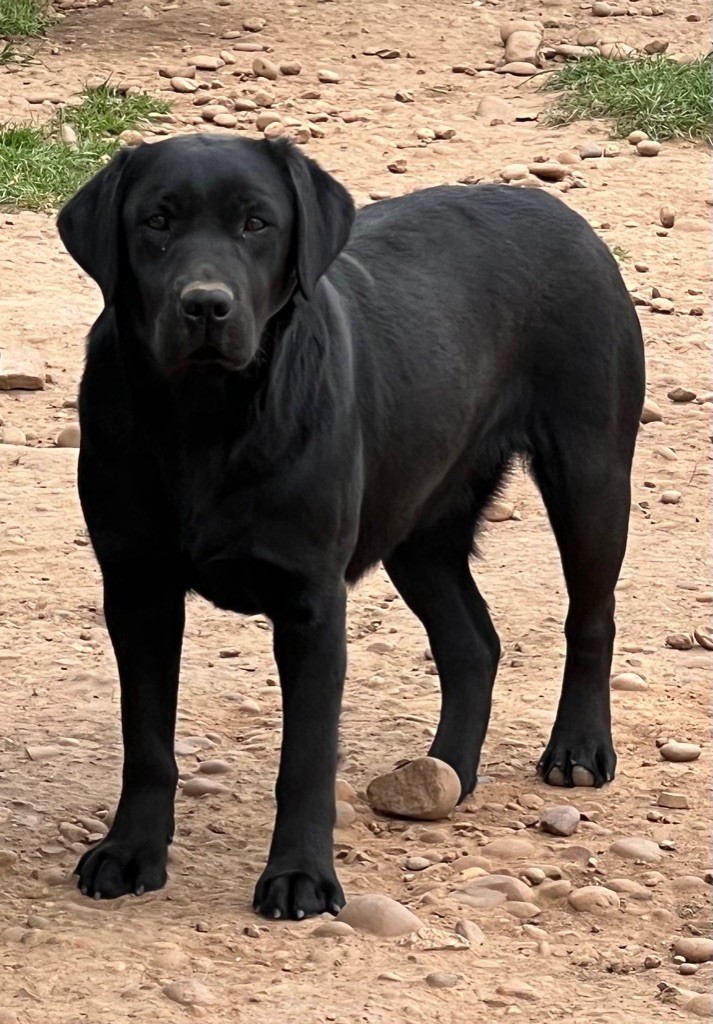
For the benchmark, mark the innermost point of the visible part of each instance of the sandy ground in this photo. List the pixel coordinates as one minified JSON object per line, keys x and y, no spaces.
{"x":65,"y":960}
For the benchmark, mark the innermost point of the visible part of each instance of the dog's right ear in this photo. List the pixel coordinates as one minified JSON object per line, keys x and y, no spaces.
{"x":88,"y":224}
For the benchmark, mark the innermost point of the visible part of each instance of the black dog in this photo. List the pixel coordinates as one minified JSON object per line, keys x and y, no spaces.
{"x":278,"y":395}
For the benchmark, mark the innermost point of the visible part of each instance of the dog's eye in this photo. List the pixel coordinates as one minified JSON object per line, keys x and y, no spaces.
{"x":157,"y":222}
{"x":254,"y":224}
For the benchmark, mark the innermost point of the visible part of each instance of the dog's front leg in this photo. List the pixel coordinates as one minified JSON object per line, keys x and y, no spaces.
{"x":310,"y":650}
{"x":144,"y":609}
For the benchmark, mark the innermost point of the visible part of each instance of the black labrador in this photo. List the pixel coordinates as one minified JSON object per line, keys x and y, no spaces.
{"x":279,"y":394}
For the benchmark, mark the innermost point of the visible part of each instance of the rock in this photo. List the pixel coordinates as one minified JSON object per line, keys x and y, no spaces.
{"x":517,"y":67}
{"x":513,"y":888}
{"x":180,"y":84}
{"x":129,"y":137}
{"x":548,"y":171}
{"x":332,"y":930}
{"x":254,"y":24}
{"x":701,"y":1005}
{"x":680,"y":641}
{"x":661,"y":305}
{"x":68,"y":135}
{"x":696,"y":950}
{"x":379,"y":915}
{"x":8,"y":858}
{"x":12,"y":435}
{"x":587,"y":37}
{"x":470,"y":931}
{"x":560,"y":821}
{"x":511,"y":172}
{"x":495,"y":108}
{"x":264,"y":68}
{"x":667,"y":216}
{"x":274,"y":130}
{"x":290,"y":67}
{"x":636,"y":137}
{"x":344,"y":790}
{"x":591,"y":151}
{"x":426,"y":789}
{"x":397,"y":166}
{"x":21,"y":369}
{"x":651,"y":412}
{"x":345,"y":814}
{"x":517,"y":990}
{"x":42,"y":752}
{"x":520,"y":25}
{"x":497,"y":510}
{"x":554,"y":889}
{"x":328,"y":77}
{"x":265,"y":118}
{"x":189,"y":992}
{"x":630,"y":681}
{"x":704,"y":638}
{"x":479,"y":899}
{"x":594,"y":899}
{"x":616,"y":51}
{"x":507,"y":848}
{"x":204,"y":787}
{"x":656,"y":46}
{"x":637,"y":848}
{"x":523,"y":45}
{"x":523,"y":911}
{"x":225,"y":120}
{"x":418,"y":863}
{"x":679,"y":394}
{"x":242,"y":103}
{"x":647,"y":147}
{"x":670,"y":497}
{"x":676,"y":801}
{"x":440,"y":979}
{"x":628,"y":887}
{"x":214,"y":767}
{"x":69,"y":436}
{"x":600,"y":9}
{"x":680,"y":752}
{"x":169,"y":72}
{"x":206,"y":62}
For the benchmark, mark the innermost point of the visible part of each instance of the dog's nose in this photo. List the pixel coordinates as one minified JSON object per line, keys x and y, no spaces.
{"x":207,"y":302}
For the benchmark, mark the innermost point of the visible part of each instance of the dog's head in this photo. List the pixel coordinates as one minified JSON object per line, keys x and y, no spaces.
{"x":204,"y":239}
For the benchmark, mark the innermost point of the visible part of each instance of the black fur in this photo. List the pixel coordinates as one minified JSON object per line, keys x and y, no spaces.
{"x":278,"y":396}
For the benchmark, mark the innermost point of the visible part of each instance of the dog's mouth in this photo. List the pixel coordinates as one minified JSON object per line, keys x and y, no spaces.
{"x":210,"y":356}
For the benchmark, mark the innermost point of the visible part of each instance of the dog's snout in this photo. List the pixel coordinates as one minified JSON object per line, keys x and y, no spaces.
{"x":207,"y":302}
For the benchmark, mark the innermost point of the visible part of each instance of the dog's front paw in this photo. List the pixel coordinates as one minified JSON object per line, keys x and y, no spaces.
{"x":117,"y":866}
{"x":296,"y":894}
{"x":578,"y":759}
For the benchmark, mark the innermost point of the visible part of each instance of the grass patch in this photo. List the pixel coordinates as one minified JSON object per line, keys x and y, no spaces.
{"x":38,"y":171}
{"x":24,"y":18}
{"x":657,"y":95}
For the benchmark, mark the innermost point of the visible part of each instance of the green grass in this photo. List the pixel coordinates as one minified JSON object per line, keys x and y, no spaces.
{"x":39,"y":172}
{"x":24,"y":18}
{"x":657,"y":95}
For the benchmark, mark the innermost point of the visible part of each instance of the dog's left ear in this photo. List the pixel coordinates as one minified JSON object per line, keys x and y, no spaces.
{"x":325,"y":214}
{"x":88,"y":225}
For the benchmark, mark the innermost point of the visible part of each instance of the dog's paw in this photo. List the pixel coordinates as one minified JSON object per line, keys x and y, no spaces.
{"x":578,"y":760}
{"x":116,"y":867}
{"x":298,"y":894}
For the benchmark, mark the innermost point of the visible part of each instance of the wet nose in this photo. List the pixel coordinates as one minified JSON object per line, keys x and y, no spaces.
{"x":207,"y":302}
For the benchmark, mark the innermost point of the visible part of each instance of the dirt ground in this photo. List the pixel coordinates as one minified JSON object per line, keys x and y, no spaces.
{"x":65,"y":960}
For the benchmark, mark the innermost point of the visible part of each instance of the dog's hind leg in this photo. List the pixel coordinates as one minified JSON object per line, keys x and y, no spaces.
{"x":585,"y":484}
{"x":431,"y":572}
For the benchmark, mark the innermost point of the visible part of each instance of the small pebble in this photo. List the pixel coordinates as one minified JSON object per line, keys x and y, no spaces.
{"x":425,"y":789}
{"x":328,"y":77}
{"x":647,"y":147}
{"x":560,"y":821}
{"x":69,"y":436}
{"x":204,"y":787}
{"x":440,"y":979}
{"x":636,"y":137}
{"x":189,"y":992}
{"x":590,"y":151}
{"x":332,"y":930}
{"x":667,"y":216}
{"x":670,"y":497}
{"x":628,"y":681}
